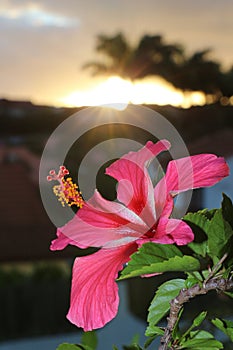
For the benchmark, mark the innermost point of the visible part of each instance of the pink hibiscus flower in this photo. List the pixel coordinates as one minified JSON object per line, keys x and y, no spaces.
{"x":141,"y":214}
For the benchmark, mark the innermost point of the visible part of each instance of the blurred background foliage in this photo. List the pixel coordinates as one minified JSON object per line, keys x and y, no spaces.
{"x":34,"y":299}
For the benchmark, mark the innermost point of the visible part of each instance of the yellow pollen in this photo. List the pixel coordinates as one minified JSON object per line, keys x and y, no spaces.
{"x":67,"y":192}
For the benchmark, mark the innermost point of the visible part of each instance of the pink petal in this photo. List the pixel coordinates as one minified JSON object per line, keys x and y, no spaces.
{"x":148,"y":152}
{"x":94,"y":292}
{"x":164,"y":201}
{"x":171,"y":231}
{"x":196,"y":171}
{"x":60,"y":242}
{"x":135,"y":187}
{"x":100,"y":223}
{"x":188,"y":173}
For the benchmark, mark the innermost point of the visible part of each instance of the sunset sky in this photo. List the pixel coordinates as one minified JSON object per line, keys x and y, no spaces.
{"x":45,"y":43}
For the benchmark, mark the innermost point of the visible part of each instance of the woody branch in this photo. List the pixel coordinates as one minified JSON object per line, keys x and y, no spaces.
{"x":218,"y":284}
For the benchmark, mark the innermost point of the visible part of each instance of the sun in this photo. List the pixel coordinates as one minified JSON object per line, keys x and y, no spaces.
{"x":118,"y":93}
{"x":112,"y":91}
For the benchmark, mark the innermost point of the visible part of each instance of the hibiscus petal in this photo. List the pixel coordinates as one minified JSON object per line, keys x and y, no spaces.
{"x":171,"y":231}
{"x":100,"y":223}
{"x":196,"y":171}
{"x":146,"y":153}
{"x":61,"y":241}
{"x":188,"y":173}
{"x":94,"y":292}
{"x":164,"y":202}
{"x":135,"y":188}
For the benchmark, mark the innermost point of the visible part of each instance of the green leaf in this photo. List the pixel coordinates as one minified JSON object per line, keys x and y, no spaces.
{"x":227,"y":273}
{"x":202,"y":344}
{"x":160,"y":304}
{"x":149,"y":341}
{"x":88,"y":342}
{"x":225,"y":326}
{"x":219,"y":233}
{"x":134,"y":344}
{"x":132,"y":347}
{"x":154,"y":258}
{"x":199,"y":248}
{"x":217,"y":228}
{"x":227,"y":209}
{"x":135,"y":339}
{"x":175,"y":332}
{"x":196,"y":322}
{"x":201,"y":340}
{"x":229,"y":323}
{"x":208,"y":213}
{"x":90,"y":339}
{"x":114,"y":347}
{"x":230,"y":294}
{"x":199,"y":319}
{"x":66,"y":346}
{"x":199,"y":219}
{"x":193,"y":278}
{"x":154,"y":331}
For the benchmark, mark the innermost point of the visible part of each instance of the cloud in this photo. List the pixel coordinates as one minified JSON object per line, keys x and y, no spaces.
{"x":31,"y":15}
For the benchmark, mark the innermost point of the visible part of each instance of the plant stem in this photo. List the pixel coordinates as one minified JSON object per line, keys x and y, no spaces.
{"x":216,"y":268}
{"x":218,"y":284}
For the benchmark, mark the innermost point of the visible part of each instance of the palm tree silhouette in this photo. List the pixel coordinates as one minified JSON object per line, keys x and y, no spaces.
{"x":116,"y":51}
{"x":199,"y":73}
{"x":152,"y":56}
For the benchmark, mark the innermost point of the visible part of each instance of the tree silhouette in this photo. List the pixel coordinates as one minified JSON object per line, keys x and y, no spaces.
{"x":226,"y":85}
{"x":153,"y":56}
{"x":116,"y":51}
{"x":199,"y":73}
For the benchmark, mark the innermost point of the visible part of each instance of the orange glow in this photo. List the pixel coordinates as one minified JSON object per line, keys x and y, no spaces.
{"x":151,"y":90}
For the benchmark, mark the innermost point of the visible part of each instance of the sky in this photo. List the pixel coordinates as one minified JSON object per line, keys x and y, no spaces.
{"x":45,"y":43}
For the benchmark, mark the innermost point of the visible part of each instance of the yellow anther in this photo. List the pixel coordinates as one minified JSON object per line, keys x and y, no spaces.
{"x":67,"y":192}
